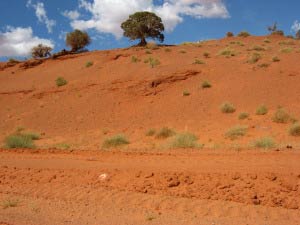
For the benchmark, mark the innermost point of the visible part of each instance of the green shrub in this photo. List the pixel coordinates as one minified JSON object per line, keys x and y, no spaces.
{"x":206,"y":84}
{"x":150,"y":132}
{"x":275,"y":59}
{"x":89,"y":64}
{"x":243,"y":34}
{"x":255,"y":57}
{"x":243,"y":116}
{"x":60,"y":81}
{"x":286,"y":50}
{"x":115,"y":141}
{"x":134,"y":59}
{"x":281,"y":116}
{"x":186,"y":93}
{"x":294,"y":130}
{"x":9,"y":203}
{"x":19,"y":141}
{"x":227,"y":52}
{"x":152,"y":62}
{"x":262,"y":110}
{"x":265,"y":142}
{"x":165,"y":132}
{"x":235,"y":132}
{"x":227,"y":108}
{"x":198,"y":61}
{"x":185,"y":140}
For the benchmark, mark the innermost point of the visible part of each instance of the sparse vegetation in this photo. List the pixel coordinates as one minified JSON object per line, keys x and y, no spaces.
{"x":267,"y":41}
{"x":255,"y":57}
{"x":186,"y":93}
{"x":287,"y":42}
{"x":294,"y":130}
{"x":89,"y":64}
{"x":198,"y":61}
{"x":275,"y":59}
{"x":152,"y":45}
{"x":206,"y":54}
{"x":258,"y":48}
{"x":62,"y":146}
{"x":9,"y":203}
{"x":115,"y":141}
{"x":150,"y":132}
{"x":265,"y":142}
{"x":60,"y":81}
{"x":21,"y":139}
{"x":229,"y":34}
{"x":235,"y":132}
{"x":77,"y":40}
{"x":165,"y":132}
{"x":41,"y":51}
{"x":227,"y":52}
{"x":152,"y":62}
{"x":135,"y":59}
{"x":281,"y":116}
{"x":185,"y":140}
{"x":206,"y":84}
{"x":264,"y":65}
{"x":286,"y":50}
{"x":261,"y":110}
{"x":278,"y":32}
{"x":227,"y":108}
{"x":243,"y":116}
{"x":168,"y":50}
{"x":182,"y":51}
{"x":243,"y":34}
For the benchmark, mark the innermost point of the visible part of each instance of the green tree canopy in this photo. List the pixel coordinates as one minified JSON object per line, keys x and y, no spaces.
{"x":77,"y":40}
{"x":142,"y":25}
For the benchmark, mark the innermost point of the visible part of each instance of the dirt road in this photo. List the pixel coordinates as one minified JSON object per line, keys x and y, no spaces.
{"x":203,"y":187}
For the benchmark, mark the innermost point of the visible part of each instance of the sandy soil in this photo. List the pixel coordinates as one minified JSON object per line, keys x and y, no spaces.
{"x":206,"y":187}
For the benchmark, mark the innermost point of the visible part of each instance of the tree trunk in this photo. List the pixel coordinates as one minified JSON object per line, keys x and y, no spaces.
{"x":143,"y":42}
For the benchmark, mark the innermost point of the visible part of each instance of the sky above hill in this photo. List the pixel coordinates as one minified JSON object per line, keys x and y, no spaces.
{"x":26,"y":23}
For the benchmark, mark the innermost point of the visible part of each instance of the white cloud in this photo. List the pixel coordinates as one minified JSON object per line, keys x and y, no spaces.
{"x":296,"y":26}
{"x":19,"y":42}
{"x":41,"y":14}
{"x":107,"y":15}
{"x":72,"y":15}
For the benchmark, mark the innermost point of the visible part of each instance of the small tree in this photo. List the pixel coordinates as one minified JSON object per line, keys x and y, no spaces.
{"x":77,"y":40}
{"x":41,"y":51}
{"x":143,"y":25}
{"x":272,"y":28}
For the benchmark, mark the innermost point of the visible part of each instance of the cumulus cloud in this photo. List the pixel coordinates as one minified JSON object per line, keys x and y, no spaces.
{"x":107,"y":15}
{"x":72,"y":15}
{"x":41,"y":14}
{"x":19,"y":42}
{"x":296,"y":26}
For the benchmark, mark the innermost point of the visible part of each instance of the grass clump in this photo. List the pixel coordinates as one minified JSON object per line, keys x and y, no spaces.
{"x":206,"y":84}
{"x":115,"y":141}
{"x":243,"y":34}
{"x":206,"y":54}
{"x":182,"y":51}
{"x":60,"y":81}
{"x":255,"y":57}
{"x":281,"y":116}
{"x":227,"y":52}
{"x":152,"y":62}
{"x":19,"y":141}
{"x":227,"y":108}
{"x":148,"y":52}
{"x":135,"y":59}
{"x":262,"y":110}
{"x":185,"y":140}
{"x":275,"y":59}
{"x":264,"y":65}
{"x":265,"y":142}
{"x":186,"y":93}
{"x":9,"y":203}
{"x":198,"y":61}
{"x":150,"y":132}
{"x":165,"y":132}
{"x":89,"y":64}
{"x":258,"y":48}
{"x":243,"y":116}
{"x":287,"y":43}
{"x":267,"y":41}
{"x":286,"y":50}
{"x":235,"y":132}
{"x":294,"y":130}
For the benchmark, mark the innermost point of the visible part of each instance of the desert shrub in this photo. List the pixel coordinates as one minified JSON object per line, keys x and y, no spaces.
{"x":236,"y":132}
{"x":243,"y":115}
{"x":294,"y":130}
{"x":89,"y":64}
{"x":150,"y":132}
{"x":286,"y":43}
{"x":262,"y":110}
{"x":135,"y":59}
{"x":115,"y":141}
{"x":31,"y":135}
{"x":168,"y":50}
{"x":264,"y":65}
{"x":229,"y":34}
{"x":255,"y":57}
{"x":77,"y":40}
{"x":182,"y":51}
{"x":185,"y":140}
{"x":275,"y":59}
{"x":278,"y":32}
{"x":19,"y":141}
{"x":13,"y":61}
{"x":243,"y":34}
{"x":206,"y":84}
{"x":258,"y":48}
{"x":227,"y":108}
{"x":152,"y":62}
{"x":227,"y":52}
{"x":152,"y":45}
{"x":281,"y":116}
{"x":265,"y":142}
{"x":60,"y":81}
{"x":267,"y":41}
{"x":41,"y":51}
{"x":198,"y":61}
{"x":62,"y":146}
{"x":148,"y":52}
{"x":206,"y":54}
{"x":165,"y":132}
{"x":286,"y":50}
{"x":9,"y":203}
{"x":186,"y":93}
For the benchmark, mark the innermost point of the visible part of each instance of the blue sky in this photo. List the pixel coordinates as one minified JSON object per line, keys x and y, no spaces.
{"x":47,"y":21}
